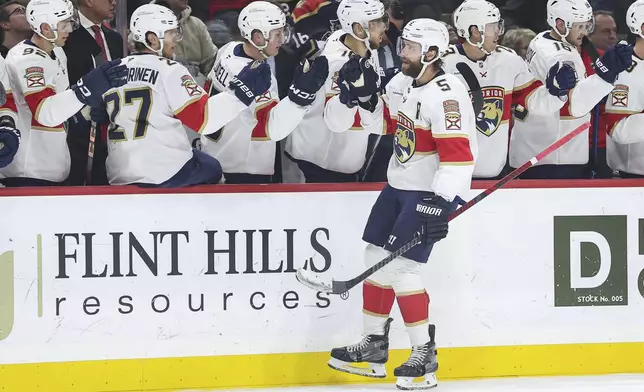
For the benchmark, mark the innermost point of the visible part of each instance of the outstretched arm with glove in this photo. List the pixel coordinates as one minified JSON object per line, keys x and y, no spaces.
{"x":589,"y":91}
{"x":277,"y":119}
{"x":51,"y":109}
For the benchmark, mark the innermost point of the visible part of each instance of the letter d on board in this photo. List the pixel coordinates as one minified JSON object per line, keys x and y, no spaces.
{"x":590,"y":260}
{"x":6,"y":294}
{"x":577,"y":281}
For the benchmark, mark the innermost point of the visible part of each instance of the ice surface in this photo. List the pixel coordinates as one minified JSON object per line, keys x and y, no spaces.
{"x":607,"y":383}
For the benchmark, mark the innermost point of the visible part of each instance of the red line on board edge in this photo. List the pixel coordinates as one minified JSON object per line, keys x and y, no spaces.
{"x":299,"y":188}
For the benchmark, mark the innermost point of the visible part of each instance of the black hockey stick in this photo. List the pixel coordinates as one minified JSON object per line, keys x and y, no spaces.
{"x":589,"y":48}
{"x":474,"y":86}
{"x":315,"y":282}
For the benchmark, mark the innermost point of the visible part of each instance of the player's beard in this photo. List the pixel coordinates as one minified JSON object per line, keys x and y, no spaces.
{"x":413,"y":69}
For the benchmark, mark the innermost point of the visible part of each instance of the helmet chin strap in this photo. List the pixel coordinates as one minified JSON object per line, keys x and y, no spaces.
{"x":261,"y":48}
{"x":425,"y":65}
{"x":564,"y":37}
{"x":50,"y":40}
{"x":479,"y":45}
{"x":157,"y":52}
{"x":365,"y":41}
{"x":422,"y":71}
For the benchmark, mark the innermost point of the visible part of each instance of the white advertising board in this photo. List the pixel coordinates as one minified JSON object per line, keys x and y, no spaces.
{"x":151,"y":276}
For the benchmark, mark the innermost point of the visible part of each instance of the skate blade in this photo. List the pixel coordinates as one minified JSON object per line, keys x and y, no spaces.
{"x":374,"y":370}
{"x":407,"y":383}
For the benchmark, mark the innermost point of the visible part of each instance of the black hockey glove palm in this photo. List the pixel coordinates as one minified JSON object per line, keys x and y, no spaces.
{"x":91,"y":87}
{"x":616,"y":59}
{"x":253,"y":80}
{"x":360,"y":77}
{"x":9,"y":140}
{"x":308,"y":80}
{"x":434,"y":213}
{"x":560,"y":80}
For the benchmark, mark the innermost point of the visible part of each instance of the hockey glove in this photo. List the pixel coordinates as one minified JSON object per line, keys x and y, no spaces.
{"x":309,"y":79}
{"x":350,"y":100}
{"x":434,"y":213}
{"x":347,"y":98}
{"x":253,"y":80}
{"x":9,"y":140}
{"x":360,"y":77}
{"x":91,"y":87}
{"x":308,"y":50}
{"x":616,"y":59}
{"x":561,"y":80}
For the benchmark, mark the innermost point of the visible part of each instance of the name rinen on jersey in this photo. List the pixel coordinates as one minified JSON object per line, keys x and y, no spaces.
{"x":139,"y":74}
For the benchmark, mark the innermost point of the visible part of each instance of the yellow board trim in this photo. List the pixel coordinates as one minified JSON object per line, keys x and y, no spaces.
{"x":274,"y":370}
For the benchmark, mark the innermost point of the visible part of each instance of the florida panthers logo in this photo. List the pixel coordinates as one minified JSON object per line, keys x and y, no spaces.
{"x":620,"y":96}
{"x":405,"y":139}
{"x":491,"y":116}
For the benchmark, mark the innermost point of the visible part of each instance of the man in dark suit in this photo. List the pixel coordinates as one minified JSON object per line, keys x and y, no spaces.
{"x":87,"y":47}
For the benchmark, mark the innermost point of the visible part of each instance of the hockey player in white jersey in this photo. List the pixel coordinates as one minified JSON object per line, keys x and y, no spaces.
{"x":624,"y":109}
{"x":504,"y":79}
{"x":37,"y":70}
{"x":320,"y":145}
{"x":147,"y":144}
{"x":9,"y":134}
{"x":246,"y":147}
{"x":435,"y":148}
{"x":571,"y":22}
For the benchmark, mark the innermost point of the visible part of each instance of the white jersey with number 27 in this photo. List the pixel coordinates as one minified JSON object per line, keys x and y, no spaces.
{"x":147,"y":142}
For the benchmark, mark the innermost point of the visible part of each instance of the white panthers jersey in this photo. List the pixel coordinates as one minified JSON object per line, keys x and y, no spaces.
{"x":331,"y":135}
{"x":38,"y":82}
{"x":247,"y":143}
{"x":624,"y":115}
{"x":505,"y":82}
{"x":147,"y":142}
{"x":534,"y":133}
{"x":435,"y":143}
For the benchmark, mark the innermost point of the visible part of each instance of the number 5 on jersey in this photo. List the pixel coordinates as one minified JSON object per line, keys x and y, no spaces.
{"x":115,"y":104}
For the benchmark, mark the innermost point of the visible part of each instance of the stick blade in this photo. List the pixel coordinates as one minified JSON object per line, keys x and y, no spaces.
{"x":313,"y":281}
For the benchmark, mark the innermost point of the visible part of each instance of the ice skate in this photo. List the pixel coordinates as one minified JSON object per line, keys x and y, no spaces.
{"x":372,"y":350}
{"x":421,"y":363}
